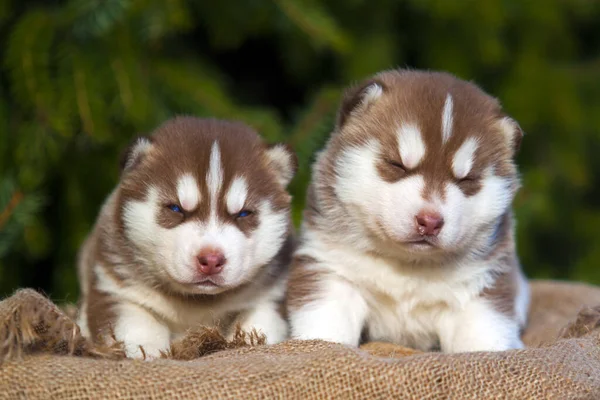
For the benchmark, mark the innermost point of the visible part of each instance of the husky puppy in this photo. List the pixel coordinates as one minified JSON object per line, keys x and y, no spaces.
{"x":408,"y":232}
{"x":197,"y":232}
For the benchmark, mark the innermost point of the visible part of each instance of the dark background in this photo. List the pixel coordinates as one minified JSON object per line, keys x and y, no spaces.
{"x":79,"y":79}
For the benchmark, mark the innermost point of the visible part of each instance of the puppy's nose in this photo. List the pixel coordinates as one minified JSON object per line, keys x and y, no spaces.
{"x":211,"y":262}
{"x":429,"y":223}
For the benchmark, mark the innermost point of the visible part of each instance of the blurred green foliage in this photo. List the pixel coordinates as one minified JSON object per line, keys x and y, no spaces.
{"x":80,"y":78}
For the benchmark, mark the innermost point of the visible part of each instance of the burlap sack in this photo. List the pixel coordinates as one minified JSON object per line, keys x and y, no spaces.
{"x":44,"y":357}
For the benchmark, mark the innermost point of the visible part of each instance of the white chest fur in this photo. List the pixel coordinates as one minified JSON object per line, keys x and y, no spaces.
{"x":147,"y":319}
{"x":404,"y":304}
{"x":178,"y":315}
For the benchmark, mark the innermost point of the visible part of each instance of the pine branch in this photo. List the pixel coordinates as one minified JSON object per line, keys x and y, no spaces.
{"x":310,"y":133}
{"x":94,"y":90}
{"x":5,"y":7}
{"x":8,"y":211}
{"x":83,"y":103}
{"x":94,"y":18}
{"x":324,"y":105}
{"x":194,"y":87}
{"x":27,"y":58}
{"x":316,"y":23}
{"x":156,"y":19}
{"x":17,"y":212}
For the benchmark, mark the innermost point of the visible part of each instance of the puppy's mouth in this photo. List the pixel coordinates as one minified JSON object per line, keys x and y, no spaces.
{"x":208,"y":283}
{"x":423,"y":242}
{"x":412,"y":242}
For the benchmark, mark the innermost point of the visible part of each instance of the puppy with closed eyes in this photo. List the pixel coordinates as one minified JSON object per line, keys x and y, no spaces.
{"x":408,"y":235}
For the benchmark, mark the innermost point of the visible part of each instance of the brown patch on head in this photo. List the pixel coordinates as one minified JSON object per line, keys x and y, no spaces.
{"x":389,"y":166}
{"x":248,"y":224}
{"x":184,"y":146}
{"x":170,"y":219}
{"x":470,"y":186}
{"x":419,"y":98}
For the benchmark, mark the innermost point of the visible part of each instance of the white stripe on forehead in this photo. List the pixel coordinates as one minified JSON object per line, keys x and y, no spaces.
{"x":411,"y":146}
{"x":464,"y":158}
{"x":214,"y":177}
{"x":236,"y":196}
{"x":187,"y":192}
{"x":447,"y":119}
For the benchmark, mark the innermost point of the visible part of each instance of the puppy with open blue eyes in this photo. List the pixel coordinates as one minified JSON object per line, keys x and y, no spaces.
{"x":197,"y":232}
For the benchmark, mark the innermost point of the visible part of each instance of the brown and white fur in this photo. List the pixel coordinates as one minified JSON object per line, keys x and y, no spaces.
{"x":408,"y":231}
{"x":197,"y":232}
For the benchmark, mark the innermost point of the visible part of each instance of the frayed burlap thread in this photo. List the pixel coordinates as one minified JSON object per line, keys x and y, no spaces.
{"x":203,"y":341}
{"x":567,"y":368}
{"x":30,"y":323}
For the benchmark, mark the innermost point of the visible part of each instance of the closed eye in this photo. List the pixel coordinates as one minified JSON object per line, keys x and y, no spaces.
{"x":396,"y":164}
{"x":469,"y":178}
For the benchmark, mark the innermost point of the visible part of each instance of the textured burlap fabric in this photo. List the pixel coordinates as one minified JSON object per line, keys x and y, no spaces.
{"x":44,"y":357}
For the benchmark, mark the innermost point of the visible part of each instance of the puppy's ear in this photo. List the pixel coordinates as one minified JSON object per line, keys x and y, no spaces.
{"x":512,"y":132}
{"x":358,"y":98}
{"x":134,"y":153}
{"x":283,"y":160}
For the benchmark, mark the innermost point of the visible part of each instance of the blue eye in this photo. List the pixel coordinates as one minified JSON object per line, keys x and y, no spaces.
{"x":175,"y":208}
{"x":243,"y":213}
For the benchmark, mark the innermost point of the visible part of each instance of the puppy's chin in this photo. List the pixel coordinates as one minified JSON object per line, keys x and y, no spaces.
{"x":207,"y":286}
{"x":415,"y":249}
{"x":386,"y":240}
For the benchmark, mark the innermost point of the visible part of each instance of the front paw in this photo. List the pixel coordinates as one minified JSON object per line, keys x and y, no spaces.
{"x":275,"y":330}
{"x":471,"y":340}
{"x":486,"y":345}
{"x":517,"y":344}
{"x":479,"y":327}
{"x":142,"y":334}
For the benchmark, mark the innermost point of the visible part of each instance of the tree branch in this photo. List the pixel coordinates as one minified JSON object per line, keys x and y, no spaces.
{"x":16,"y":198}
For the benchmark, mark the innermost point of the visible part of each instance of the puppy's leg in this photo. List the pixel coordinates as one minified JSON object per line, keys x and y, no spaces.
{"x":478,"y":327}
{"x":523,"y":300}
{"x":335,"y":313}
{"x":137,"y":327}
{"x":266,"y":319}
